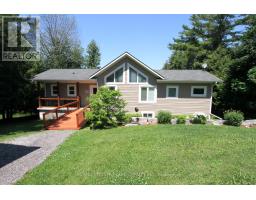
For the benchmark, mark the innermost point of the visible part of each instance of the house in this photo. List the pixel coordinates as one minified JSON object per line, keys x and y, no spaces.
{"x":177,"y":91}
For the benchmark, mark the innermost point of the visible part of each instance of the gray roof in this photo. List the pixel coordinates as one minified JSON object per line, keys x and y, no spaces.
{"x":188,"y":76}
{"x":84,"y":74}
{"x":65,"y":74}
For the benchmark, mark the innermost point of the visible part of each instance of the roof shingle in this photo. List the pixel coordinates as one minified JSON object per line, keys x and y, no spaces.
{"x":188,"y":76}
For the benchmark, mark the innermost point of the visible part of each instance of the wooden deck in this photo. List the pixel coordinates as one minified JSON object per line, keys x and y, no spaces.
{"x":71,"y":121}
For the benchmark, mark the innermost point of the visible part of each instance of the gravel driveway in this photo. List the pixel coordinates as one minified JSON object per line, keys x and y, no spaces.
{"x":22,"y":154}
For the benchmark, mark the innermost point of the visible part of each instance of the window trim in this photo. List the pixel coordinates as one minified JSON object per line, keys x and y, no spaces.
{"x":138,"y":72}
{"x":177,"y":91}
{"x":148,"y":112}
{"x":68,"y":90}
{"x":91,"y":88}
{"x":155,"y":93}
{"x":113,"y":72}
{"x":199,"y":87}
{"x":52,"y":85}
{"x":115,"y":86}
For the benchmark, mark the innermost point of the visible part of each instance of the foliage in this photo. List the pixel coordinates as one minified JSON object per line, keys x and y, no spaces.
{"x":17,"y":92}
{"x":226,"y":43}
{"x":233,"y":118}
{"x":164,"y":117}
{"x":92,"y":59}
{"x":107,"y":109}
{"x":129,"y":116}
{"x":181,"y":119}
{"x":252,"y":74}
{"x":60,"y":47}
{"x":199,"y":118}
{"x":142,"y":154}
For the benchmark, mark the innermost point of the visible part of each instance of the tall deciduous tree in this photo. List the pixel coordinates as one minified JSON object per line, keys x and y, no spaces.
{"x":60,"y":46}
{"x":92,"y":59}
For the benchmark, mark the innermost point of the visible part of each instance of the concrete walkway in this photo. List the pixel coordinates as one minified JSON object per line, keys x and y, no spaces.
{"x":22,"y":154}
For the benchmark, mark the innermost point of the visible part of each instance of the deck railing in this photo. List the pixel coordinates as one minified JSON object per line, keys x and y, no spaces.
{"x":57,"y":100}
{"x":70,"y":107}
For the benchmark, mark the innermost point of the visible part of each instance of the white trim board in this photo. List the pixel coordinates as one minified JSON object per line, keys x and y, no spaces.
{"x":199,"y":87}
{"x":167,"y":90}
{"x":126,"y":54}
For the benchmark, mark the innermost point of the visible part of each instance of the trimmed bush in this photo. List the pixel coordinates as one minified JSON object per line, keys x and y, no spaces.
{"x":107,"y":109}
{"x":128,"y":116}
{"x":199,"y":118}
{"x":233,"y":117}
{"x":164,"y":117}
{"x":181,"y":119}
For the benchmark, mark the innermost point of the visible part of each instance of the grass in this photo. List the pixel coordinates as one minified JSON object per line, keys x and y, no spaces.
{"x":160,"y":154}
{"x":16,"y":128}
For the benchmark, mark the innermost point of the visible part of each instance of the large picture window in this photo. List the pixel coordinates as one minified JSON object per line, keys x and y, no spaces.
{"x":135,"y":76}
{"x":198,"y":91}
{"x":115,"y":77}
{"x":147,"y":94}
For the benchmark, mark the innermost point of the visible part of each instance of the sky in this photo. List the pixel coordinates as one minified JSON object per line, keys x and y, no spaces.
{"x":144,"y":36}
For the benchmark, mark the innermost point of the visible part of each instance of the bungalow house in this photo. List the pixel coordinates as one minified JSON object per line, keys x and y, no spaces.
{"x":177,"y":91}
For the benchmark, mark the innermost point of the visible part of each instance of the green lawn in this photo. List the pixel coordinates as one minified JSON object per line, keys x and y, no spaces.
{"x":160,"y":154}
{"x":19,"y":128}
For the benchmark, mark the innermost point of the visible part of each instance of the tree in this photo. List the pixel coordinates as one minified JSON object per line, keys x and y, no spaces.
{"x":240,"y":84}
{"x":17,"y":93}
{"x":107,"y":109}
{"x":196,"y":43}
{"x":59,"y":44}
{"x":92,"y":59}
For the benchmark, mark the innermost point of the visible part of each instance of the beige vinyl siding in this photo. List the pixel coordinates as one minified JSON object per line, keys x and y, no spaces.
{"x":176,"y":106}
{"x":184,"y":104}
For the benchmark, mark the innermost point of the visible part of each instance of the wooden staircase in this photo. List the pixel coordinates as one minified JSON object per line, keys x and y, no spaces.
{"x":71,"y":121}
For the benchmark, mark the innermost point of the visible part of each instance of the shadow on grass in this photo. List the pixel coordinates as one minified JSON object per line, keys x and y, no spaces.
{"x":12,"y":152}
{"x":20,"y":125}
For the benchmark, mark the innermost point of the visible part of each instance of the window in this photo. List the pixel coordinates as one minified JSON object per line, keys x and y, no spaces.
{"x":147,"y":94}
{"x":148,"y":114}
{"x":71,"y":90}
{"x":116,"y":76}
{"x":136,"y":76}
{"x":112,"y":87}
{"x":172,"y":91}
{"x":54,"y":90}
{"x":198,"y":91}
{"x":93,"y":89}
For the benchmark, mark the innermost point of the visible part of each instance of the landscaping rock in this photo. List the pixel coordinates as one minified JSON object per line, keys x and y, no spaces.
{"x":249,"y":123}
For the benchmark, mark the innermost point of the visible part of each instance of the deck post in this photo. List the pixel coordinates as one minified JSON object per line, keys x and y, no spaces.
{"x":58,"y":101}
{"x":39,"y":101}
{"x":57,"y":117}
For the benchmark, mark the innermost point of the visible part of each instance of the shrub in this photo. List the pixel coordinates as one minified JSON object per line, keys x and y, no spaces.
{"x":199,"y":118}
{"x":128,"y":116}
{"x":107,"y":109}
{"x":164,"y":117}
{"x":181,"y":119}
{"x":233,"y":118}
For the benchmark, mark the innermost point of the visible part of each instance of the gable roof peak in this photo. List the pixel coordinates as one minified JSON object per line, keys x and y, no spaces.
{"x":127,"y":54}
